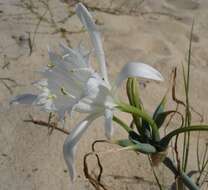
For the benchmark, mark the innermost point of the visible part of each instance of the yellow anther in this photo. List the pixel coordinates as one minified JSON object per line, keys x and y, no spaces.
{"x":51,"y":97}
{"x":50,"y":65}
{"x":63,"y":91}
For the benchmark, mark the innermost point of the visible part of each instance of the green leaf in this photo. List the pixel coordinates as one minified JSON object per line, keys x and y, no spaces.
{"x":160,"y":108}
{"x":124,"y":142}
{"x":141,"y":113}
{"x":137,"y":146}
{"x":160,"y":118}
{"x":135,"y":92}
{"x":166,"y":140}
{"x":146,"y":130}
{"x":134,"y":136}
{"x":129,"y":91}
{"x":134,"y":100}
{"x":186,"y":143}
{"x":122,"y":124}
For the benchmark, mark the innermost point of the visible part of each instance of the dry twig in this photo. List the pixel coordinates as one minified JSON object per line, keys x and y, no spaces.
{"x":50,"y":125}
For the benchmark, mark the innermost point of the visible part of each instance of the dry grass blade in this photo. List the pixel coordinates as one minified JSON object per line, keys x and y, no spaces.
{"x":178,"y":102}
{"x":12,"y":83}
{"x":120,"y":10}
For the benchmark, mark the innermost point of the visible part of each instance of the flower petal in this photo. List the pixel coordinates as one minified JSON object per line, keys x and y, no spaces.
{"x":92,"y":85}
{"x":90,"y":25}
{"x":108,"y":123}
{"x":79,"y":55}
{"x":136,"y":69}
{"x":71,"y":141}
{"x":84,"y":107}
{"x":28,"y":99}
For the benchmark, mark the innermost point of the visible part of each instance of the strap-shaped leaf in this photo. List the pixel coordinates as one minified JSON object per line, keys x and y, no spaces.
{"x":129,"y":91}
{"x":136,"y":97}
{"x":135,"y":100}
{"x":134,"y":136}
{"x":141,"y":113}
{"x":160,"y":118}
{"x":160,"y":108}
{"x":166,"y":140}
{"x":146,"y":128}
{"x":124,"y":142}
{"x":137,"y":146}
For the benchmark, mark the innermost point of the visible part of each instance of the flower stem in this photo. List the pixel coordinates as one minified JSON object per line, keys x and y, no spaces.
{"x":185,"y":178}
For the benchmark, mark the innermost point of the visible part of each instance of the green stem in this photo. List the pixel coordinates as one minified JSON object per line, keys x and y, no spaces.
{"x":185,"y":178}
{"x":165,"y":140}
{"x":133,"y":110}
{"x":134,"y":100}
{"x":188,"y":114}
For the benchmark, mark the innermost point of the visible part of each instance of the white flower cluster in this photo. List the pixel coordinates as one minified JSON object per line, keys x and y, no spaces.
{"x":70,"y":84}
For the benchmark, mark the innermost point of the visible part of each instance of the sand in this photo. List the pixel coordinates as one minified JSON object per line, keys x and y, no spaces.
{"x":153,"y":32}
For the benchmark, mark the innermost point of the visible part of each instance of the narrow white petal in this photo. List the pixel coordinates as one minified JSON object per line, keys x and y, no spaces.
{"x":108,"y":123}
{"x":72,"y":56}
{"x":57,"y":80}
{"x":40,"y":84}
{"x":71,"y":141}
{"x":90,"y":25}
{"x":79,"y":54}
{"x":86,"y":105}
{"x":28,"y":99}
{"x":135,"y":69}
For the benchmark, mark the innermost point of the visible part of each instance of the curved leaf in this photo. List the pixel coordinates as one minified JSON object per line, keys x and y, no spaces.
{"x":134,"y":100}
{"x":134,"y":136}
{"x":160,"y":108}
{"x":137,"y":146}
{"x":165,"y":140}
{"x":131,"y":109}
{"x":160,"y":118}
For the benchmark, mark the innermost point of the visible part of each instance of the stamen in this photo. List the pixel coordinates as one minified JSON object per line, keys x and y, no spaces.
{"x":80,"y":69}
{"x":51,"y":97}
{"x":64,"y":92}
{"x":66,"y":55}
{"x":50,"y":65}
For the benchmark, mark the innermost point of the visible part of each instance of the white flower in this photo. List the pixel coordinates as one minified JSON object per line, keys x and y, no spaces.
{"x":70,"y":84}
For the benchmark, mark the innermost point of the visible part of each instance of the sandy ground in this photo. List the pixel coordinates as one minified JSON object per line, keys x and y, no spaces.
{"x":153,"y":32}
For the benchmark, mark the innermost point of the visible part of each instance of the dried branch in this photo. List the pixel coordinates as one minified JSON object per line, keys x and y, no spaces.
{"x":14,"y":84}
{"x":49,"y":125}
{"x":132,"y":12}
{"x":95,"y":182}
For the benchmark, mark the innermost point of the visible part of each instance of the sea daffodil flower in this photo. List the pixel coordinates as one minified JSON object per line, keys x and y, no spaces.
{"x":71,"y":84}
